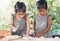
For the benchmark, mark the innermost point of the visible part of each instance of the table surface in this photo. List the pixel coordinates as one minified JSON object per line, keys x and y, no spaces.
{"x":18,"y":38}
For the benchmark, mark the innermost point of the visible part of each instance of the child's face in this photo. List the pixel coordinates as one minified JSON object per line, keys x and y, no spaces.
{"x":42,"y":11}
{"x":20,"y":14}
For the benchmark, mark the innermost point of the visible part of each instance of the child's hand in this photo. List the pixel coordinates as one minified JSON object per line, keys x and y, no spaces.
{"x":27,"y":36}
{"x":39,"y":35}
{"x":14,"y":29}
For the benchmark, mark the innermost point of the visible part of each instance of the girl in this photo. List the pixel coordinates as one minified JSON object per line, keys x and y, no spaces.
{"x":42,"y":21}
{"x":19,"y":21}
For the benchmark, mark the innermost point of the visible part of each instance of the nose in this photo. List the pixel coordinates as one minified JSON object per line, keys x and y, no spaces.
{"x":41,"y":12}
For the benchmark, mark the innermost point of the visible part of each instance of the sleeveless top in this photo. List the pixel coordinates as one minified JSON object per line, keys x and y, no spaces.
{"x":20,"y":24}
{"x":41,"y":24}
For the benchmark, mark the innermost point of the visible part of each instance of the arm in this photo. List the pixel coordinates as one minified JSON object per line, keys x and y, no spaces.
{"x":34,"y":27}
{"x":12,"y":23}
{"x":47,"y":29}
{"x":28,"y":26}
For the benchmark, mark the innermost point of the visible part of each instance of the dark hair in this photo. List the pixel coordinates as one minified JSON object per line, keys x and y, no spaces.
{"x":20,"y":6}
{"x":41,"y":4}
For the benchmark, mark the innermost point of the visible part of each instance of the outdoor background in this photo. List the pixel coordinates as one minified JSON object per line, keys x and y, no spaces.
{"x":7,"y":8}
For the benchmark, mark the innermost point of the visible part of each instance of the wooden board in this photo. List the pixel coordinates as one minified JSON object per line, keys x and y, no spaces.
{"x":17,"y":38}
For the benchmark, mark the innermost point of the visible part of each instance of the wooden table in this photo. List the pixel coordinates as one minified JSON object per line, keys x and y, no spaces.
{"x":18,"y":38}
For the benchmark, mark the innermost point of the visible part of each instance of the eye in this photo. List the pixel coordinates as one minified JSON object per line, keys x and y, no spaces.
{"x":20,"y":14}
{"x":42,"y":11}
